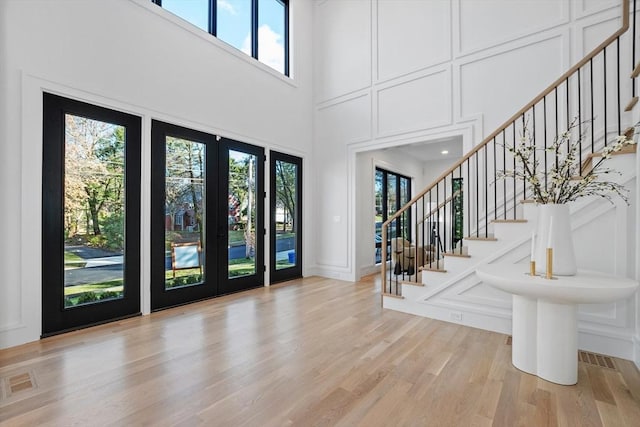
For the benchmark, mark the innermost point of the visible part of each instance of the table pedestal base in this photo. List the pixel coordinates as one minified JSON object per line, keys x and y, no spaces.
{"x":545,"y":339}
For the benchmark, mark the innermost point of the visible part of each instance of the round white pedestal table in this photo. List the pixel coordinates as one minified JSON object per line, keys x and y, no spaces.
{"x":545,"y":323}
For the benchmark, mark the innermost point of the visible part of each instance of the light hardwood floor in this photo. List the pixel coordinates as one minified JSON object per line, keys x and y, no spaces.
{"x":306,"y":353}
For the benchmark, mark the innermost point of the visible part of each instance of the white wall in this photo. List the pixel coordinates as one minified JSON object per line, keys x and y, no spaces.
{"x":392,"y":72}
{"x":132,"y":56}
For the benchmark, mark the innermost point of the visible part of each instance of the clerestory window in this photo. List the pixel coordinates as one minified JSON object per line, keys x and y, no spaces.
{"x":259,"y":28}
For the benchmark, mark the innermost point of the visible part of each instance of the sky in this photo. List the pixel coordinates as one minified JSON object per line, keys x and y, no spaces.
{"x":234,"y":25}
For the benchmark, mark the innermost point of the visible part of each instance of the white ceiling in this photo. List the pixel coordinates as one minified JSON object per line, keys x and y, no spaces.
{"x":432,"y":149}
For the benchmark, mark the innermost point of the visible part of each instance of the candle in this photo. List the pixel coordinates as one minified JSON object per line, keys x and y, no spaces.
{"x":533,"y":245}
{"x":550,"y":232}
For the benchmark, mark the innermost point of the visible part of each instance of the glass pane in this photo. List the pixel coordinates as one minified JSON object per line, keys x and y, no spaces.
{"x":405,"y":196}
{"x":233,"y":23}
{"x":286,"y":175}
{"x":378,"y":214}
{"x":242,"y":213}
{"x":94,"y":211}
{"x":271,"y":33}
{"x":184,"y":213}
{"x":194,"y":11}
{"x":392,"y":199}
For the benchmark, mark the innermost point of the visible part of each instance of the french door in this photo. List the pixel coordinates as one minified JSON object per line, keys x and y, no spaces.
{"x":207,"y":228}
{"x":90,"y":215}
{"x":286,"y":217}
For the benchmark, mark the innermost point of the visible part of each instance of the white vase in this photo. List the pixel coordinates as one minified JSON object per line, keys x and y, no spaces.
{"x":564,"y":259}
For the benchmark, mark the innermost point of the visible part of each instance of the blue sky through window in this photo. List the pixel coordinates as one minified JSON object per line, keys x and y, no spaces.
{"x":194,"y":11}
{"x":234,"y":25}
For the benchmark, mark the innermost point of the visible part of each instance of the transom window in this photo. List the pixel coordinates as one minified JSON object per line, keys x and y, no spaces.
{"x":259,"y":28}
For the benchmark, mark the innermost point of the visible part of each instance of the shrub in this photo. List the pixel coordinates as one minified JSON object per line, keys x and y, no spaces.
{"x":87,"y":297}
{"x":110,"y":295}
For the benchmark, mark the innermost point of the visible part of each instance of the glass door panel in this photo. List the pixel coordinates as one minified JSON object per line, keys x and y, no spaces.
{"x":94,"y":211}
{"x":90,"y":215}
{"x":286,"y":217}
{"x":241,"y":237}
{"x":242,"y":220}
{"x":182,"y":220}
{"x":185,"y":213}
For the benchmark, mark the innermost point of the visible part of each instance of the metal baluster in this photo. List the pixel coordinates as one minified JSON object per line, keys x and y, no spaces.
{"x":504,"y":167}
{"x":618,"y":83}
{"x":604,"y":62}
{"x":544,"y":125}
{"x":593,"y":137}
{"x":515,"y":188}
{"x":580,"y":121}
{"x":495,"y":182}
{"x":444,"y":213}
{"x":477,"y":197}
{"x":461,"y":205}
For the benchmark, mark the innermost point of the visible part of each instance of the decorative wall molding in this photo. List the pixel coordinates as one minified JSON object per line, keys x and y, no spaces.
{"x":350,"y":120}
{"x":427,"y":98}
{"x":424,"y":44}
{"x":587,"y":8}
{"x":558,"y":37}
{"x":560,"y":19}
{"x":350,"y":67}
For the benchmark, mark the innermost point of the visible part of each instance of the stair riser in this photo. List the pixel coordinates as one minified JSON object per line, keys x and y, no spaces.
{"x":511,"y":231}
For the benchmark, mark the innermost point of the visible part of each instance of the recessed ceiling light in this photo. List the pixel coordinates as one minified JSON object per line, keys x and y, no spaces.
{"x":444,"y":152}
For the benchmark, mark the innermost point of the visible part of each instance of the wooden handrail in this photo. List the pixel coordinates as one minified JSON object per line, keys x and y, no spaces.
{"x":512,"y":119}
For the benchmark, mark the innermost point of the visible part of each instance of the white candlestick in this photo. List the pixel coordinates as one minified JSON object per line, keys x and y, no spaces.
{"x":550,"y":232}
{"x":533,"y":245}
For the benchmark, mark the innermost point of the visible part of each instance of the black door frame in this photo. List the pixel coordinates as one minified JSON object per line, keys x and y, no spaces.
{"x":160,"y":296}
{"x":217,"y":281}
{"x":55,"y":317}
{"x":295,"y":272}
{"x":228,"y":284}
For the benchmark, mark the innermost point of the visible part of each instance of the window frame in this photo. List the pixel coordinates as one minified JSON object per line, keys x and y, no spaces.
{"x":399,"y":224}
{"x":212,"y":17}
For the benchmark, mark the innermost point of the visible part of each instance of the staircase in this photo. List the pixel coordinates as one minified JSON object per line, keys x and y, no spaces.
{"x":471,"y":216}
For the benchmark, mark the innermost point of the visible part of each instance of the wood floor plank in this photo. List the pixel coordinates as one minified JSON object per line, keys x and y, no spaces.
{"x":309,"y":352}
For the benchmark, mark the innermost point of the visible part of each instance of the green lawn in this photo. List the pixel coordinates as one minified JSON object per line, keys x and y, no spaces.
{"x":113,"y":285}
{"x":72,"y":260}
{"x":91,"y":292}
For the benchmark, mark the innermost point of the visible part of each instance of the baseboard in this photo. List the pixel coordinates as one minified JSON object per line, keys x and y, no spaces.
{"x":369,"y":269}
{"x":496,"y":322}
{"x":609,"y":341}
{"x":18,"y":334}
{"x":616,"y":343}
{"x":332,"y":273}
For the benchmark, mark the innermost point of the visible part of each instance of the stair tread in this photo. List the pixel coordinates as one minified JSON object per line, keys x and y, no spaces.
{"x":385,"y":294}
{"x":636,"y":71}
{"x":458,"y":255}
{"x":481,"y":238}
{"x":433,"y":269}
{"x":509,"y":221}
{"x":406,"y":282}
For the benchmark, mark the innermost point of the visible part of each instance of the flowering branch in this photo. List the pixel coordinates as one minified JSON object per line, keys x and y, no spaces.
{"x":564,"y":182}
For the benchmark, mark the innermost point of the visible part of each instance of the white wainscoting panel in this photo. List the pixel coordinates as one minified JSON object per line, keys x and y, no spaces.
{"x":343,"y":64}
{"x":412,"y":35}
{"x":498,"y":85}
{"x":421,"y":103}
{"x":488,"y":23}
{"x":346,"y":121}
